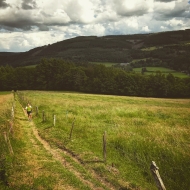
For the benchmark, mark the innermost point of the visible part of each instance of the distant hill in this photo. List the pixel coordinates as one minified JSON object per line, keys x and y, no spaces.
{"x":118,"y":49}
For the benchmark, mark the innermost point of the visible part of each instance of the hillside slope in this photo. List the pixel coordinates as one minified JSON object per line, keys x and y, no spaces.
{"x":118,"y":49}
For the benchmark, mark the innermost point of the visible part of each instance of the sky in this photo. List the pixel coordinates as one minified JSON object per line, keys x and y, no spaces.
{"x":26,"y":24}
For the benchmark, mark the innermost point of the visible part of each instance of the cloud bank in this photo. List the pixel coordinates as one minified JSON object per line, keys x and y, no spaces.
{"x":25,"y":24}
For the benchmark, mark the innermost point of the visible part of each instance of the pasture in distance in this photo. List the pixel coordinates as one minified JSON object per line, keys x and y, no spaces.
{"x":163,"y":70}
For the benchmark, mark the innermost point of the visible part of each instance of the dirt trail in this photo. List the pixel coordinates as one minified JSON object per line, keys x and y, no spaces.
{"x":58,"y":154}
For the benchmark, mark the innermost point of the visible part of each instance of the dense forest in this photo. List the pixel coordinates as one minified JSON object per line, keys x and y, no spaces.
{"x":58,"y":74}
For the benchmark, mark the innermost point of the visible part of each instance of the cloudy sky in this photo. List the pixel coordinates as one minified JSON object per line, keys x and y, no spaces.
{"x":25,"y":24}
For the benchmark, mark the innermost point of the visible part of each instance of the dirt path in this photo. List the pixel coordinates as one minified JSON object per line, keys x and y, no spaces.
{"x":59,"y":155}
{"x":33,"y":166}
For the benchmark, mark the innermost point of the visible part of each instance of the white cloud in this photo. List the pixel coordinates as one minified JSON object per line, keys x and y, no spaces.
{"x":132,"y":8}
{"x":175,"y":23}
{"x":80,"y":11}
{"x":34,"y":23}
{"x":25,"y":41}
{"x":145,"y":29}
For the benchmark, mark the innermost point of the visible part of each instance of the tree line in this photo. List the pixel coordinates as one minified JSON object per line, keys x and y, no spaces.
{"x":58,"y":74}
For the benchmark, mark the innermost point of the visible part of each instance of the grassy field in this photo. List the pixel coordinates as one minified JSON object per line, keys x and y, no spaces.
{"x":151,"y":48}
{"x":30,"y":165}
{"x":30,"y":66}
{"x":152,"y":70}
{"x":138,"y":131}
{"x":6,"y":99}
{"x":107,"y":64}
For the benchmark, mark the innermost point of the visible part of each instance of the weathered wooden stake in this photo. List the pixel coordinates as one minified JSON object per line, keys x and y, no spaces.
{"x":72,"y":128}
{"x":104,"y":146}
{"x":43,"y":115}
{"x":36,"y":110}
{"x":12,"y":112}
{"x":66,"y":114}
{"x":54,"y":120}
{"x":156,"y":175}
{"x":5,"y":136}
{"x":11,"y":127}
{"x":9,"y":145}
{"x":8,"y":142}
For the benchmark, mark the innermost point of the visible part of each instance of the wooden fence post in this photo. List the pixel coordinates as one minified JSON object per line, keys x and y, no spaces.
{"x":11,"y":127}
{"x":54,"y":120}
{"x":66,"y":114}
{"x":43,"y":115}
{"x":104,"y":146}
{"x":8,"y":143}
{"x":156,"y":175}
{"x":72,"y":128}
{"x":36,"y":110}
{"x":5,"y":136}
{"x":12,"y":113}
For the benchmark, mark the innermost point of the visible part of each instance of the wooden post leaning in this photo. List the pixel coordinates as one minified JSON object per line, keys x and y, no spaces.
{"x":72,"y":129}
{"x":156,"y":175}
{"x":104,"y":146}
{"x":7,"y":140}
{"x":36,"y":110}
{"x":43,"y":116}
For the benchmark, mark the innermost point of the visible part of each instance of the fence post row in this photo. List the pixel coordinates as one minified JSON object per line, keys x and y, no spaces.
{"x":154,"y":169}
{"x":156,"y":175}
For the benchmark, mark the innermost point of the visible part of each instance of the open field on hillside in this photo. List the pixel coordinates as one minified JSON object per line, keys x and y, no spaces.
{"x":30,"y":66}
{"x":107,"y":64}
{"x":152,"y":70}
{"x":151,"y":48}
{"x":138,"y":131}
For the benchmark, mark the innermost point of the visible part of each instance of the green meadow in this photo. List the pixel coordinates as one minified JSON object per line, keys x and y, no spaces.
{"x":107,"y":64}
{"x":138,"y":131}
{"x":151,"y":48}
{"x":163,"y":70}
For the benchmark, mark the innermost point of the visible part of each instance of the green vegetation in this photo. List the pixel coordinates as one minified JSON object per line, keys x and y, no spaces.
{"x":30,"y":66}
{"x":150,"y":48}
{"x":107,"y":64}
{"x":29,"y":165}
{"x":154,"y":70}
{"x":57,"y":74}
{"x":5,"y":150}
{"x":170,"y":48}
{"x":138,"y":130}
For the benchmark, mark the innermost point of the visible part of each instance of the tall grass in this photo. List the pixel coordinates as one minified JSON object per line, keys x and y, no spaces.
{"x":139,"y":130}
{"x":5,"y":156}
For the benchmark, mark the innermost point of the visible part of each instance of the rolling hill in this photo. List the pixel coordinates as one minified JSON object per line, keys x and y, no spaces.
{"x":118,"y":49}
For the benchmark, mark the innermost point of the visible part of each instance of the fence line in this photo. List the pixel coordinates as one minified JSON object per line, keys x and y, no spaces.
{"x":153,"y":167}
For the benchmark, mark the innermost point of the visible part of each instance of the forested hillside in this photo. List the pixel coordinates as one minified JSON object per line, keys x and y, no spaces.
{"x":168,"y":49}
{"x":57,"y":74}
